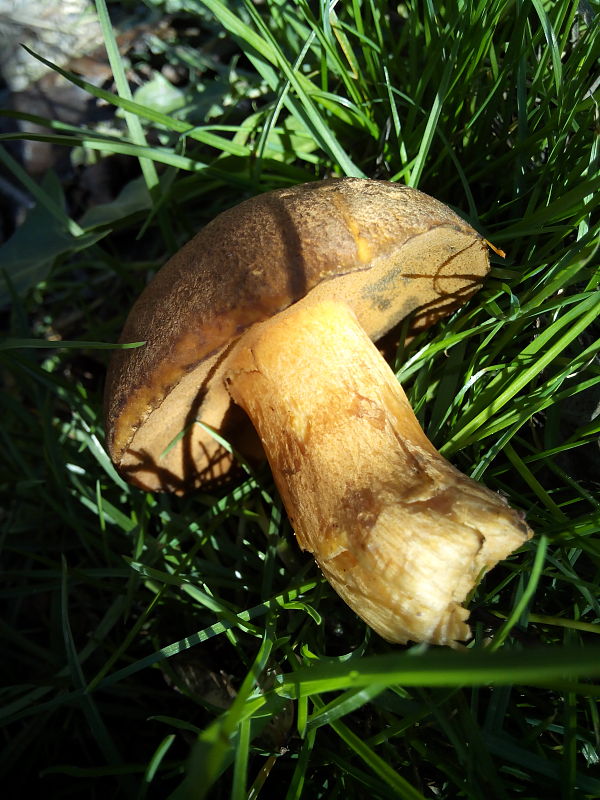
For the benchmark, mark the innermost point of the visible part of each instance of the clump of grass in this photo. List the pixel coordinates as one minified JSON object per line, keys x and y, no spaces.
{"x":156,"y":645}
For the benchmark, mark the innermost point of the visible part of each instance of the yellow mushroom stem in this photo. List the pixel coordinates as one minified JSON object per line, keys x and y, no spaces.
{"x":399,"y":533}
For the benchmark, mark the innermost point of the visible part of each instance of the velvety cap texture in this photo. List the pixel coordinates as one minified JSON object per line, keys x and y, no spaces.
{"x":383,"y":249}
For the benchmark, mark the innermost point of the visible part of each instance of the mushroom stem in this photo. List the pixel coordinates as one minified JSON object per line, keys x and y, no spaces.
{"x":400,"y":534}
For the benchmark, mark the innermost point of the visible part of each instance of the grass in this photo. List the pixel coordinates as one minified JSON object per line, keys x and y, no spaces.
{"x":156,"y":646}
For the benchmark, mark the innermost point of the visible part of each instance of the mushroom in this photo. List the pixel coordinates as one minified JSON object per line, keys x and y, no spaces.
{"x":269,"y":315}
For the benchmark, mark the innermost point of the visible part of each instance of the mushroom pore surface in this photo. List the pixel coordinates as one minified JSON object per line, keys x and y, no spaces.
{"x":384,"y":249}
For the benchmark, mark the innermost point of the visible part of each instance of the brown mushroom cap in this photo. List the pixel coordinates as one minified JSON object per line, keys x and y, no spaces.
{"x":383,"y":249}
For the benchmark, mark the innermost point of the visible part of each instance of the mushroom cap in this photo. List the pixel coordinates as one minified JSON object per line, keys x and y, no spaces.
{"x":382,"y":248}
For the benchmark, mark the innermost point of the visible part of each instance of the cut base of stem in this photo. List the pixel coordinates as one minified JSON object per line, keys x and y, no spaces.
{"x":399,"y":533}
